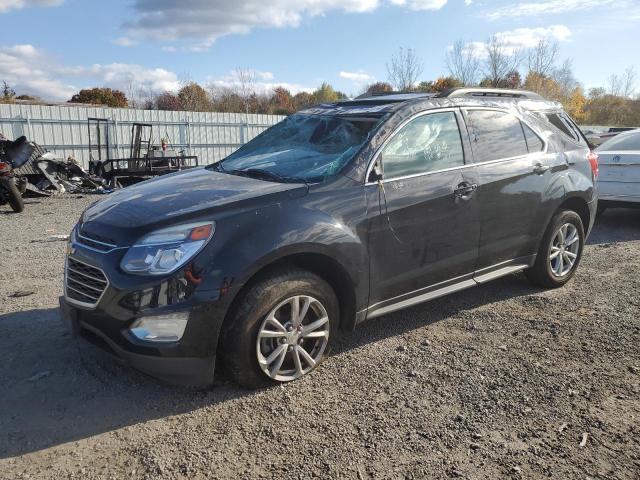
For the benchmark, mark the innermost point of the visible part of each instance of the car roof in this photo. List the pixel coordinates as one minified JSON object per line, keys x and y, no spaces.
{"x":378,"y":105}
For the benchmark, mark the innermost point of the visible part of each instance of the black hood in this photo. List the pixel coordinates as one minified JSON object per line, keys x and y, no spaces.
{"x":179,"y":197}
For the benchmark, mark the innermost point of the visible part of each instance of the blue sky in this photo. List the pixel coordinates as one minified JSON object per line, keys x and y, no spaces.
{"x":52,"y":48}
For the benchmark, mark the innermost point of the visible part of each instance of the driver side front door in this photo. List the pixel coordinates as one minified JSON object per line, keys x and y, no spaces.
{"x":424,"y":231}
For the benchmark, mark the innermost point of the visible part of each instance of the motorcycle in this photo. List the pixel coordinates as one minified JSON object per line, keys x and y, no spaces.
{"x":13,"y":155}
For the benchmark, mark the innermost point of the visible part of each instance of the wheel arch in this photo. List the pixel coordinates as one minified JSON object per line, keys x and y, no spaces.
{"x":578,"y":205}
{"x":321,"y":264}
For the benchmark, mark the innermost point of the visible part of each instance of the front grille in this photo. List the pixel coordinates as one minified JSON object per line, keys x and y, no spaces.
{"x":84,"y":284}
{"x":96,"y":242}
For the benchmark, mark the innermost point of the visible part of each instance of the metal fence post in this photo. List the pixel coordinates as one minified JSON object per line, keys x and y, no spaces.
{"x":29,"y":132}
{"x":188,"y":136}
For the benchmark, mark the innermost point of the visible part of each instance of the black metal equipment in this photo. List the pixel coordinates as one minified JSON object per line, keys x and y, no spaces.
{"x":145,"y":161}
{"x":100,"y":129}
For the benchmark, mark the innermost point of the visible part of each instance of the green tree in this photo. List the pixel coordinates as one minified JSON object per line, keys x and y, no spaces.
{"x":8,"y":93}
{"x":101,"y":96}
{"x":326,"y":94}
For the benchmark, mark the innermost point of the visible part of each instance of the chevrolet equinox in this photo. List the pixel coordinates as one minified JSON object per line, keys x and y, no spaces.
{"x":340,"y":213}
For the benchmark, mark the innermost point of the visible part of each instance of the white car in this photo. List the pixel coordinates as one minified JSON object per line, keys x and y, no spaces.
{"x":619,"y":179}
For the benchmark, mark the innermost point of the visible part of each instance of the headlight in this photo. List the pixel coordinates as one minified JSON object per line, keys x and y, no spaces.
{"x":166,"y":250}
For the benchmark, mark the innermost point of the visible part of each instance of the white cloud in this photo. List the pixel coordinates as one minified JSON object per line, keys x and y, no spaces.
{"x":358,"y":78}
{"x":6,"y":5}
{"x":421,"y":4}
{"x":31,"y":71}
{"x":265,"y":83}
{"x":124,"y":42}
{"x":264,"y":75}
{"x":551,"y":7}
{"x":28,"y":71}
{"x":529,"y":37}
{"x":521,"y":38}
{"x":204,"y":21}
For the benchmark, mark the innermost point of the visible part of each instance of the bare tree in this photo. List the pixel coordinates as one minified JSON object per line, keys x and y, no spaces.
{"x":245,"y":85}
{"x":542,"y":58}
{"x":404,"y":69}
{"x":614,"y":85}
{"x":628,"y":82}
{"x":502,"y":59}
{"x":565,"y":78}
{"x":463,"y":62}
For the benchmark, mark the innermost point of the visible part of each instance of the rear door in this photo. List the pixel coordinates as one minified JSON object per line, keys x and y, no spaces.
{"x":424,"y":229}
{"x":619,"y":160}
{"x":513,"y":173}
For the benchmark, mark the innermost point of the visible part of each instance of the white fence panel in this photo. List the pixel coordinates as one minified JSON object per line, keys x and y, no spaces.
{"x":65,"y":130}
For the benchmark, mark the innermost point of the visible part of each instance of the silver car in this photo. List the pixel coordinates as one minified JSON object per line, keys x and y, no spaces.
{"x":619,"y":179}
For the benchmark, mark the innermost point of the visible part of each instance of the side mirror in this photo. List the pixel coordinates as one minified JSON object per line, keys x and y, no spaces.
{"x":376,"y":172}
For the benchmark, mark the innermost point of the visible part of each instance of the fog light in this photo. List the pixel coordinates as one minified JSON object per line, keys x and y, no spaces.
{"x":163,"y":328}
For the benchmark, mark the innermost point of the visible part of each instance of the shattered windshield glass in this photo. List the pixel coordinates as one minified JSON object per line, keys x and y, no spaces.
{"x":302,"y":147}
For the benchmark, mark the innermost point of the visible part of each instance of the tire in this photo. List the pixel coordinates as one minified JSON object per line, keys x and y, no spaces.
{"x":544,"y":272}
{"x":243,"y":345}
{"x":13,"y":194}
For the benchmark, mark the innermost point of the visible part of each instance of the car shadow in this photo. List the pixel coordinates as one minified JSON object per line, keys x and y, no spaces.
{"x":616,"y":225}
{"x":58,"y":389}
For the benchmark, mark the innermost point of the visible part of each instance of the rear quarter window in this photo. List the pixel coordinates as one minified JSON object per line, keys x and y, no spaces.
{"x":565,"y":126}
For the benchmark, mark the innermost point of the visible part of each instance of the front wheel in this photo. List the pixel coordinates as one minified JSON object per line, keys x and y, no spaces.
{"x":13,"y":194}
{"x":560,"y":251}
{"x":281,"y":329}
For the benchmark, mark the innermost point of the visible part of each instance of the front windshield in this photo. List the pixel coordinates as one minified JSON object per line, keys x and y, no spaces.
{"x":302,"y":147}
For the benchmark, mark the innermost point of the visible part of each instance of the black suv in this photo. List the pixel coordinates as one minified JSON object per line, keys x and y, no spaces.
{"x":340,"y":213}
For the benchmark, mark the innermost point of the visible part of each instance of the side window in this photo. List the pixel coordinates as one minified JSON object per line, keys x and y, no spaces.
{"x":428,"y":143}
{"x":496,"y":135}
{"x":534,"y":143}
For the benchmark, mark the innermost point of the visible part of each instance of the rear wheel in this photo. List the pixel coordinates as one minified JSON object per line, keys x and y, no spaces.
{"x":281,"y":329}
{"x":13,"y":194}
{"x":560,"y":251}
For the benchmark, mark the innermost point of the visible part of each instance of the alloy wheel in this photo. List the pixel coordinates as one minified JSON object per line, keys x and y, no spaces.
{"x":565,"y":247}
{"x":292,"y":338}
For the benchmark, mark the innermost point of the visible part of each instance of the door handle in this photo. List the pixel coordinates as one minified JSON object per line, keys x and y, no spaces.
{"x":539,"y":168}
{"x":465,"y":189}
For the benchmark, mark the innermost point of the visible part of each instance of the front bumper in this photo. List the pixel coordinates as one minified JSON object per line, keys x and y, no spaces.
{"x":157,"y":361}
{"x":118,"y":300}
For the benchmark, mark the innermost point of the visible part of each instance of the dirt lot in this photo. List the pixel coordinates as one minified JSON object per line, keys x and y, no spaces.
{"x":500,"y":381}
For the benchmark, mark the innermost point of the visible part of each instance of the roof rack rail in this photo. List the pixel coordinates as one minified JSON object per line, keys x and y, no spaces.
{"x":394,"y":92}
{"x":489,"y":92}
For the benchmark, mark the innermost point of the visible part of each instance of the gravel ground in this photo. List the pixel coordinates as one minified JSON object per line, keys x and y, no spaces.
{"x":504,"y":380}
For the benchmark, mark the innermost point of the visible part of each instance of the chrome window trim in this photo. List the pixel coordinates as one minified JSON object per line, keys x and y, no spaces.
{"x":375,"y":156}
{"x":545,"y":143}
{"x":88,"y":306}
{"x":400,"y":127}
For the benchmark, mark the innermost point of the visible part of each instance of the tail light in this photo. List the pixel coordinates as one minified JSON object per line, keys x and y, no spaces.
{"x":4,"y":167}
{"x":593,"y":162}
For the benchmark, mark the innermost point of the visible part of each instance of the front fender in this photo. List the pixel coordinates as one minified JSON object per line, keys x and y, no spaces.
{"x":247,"y":242}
